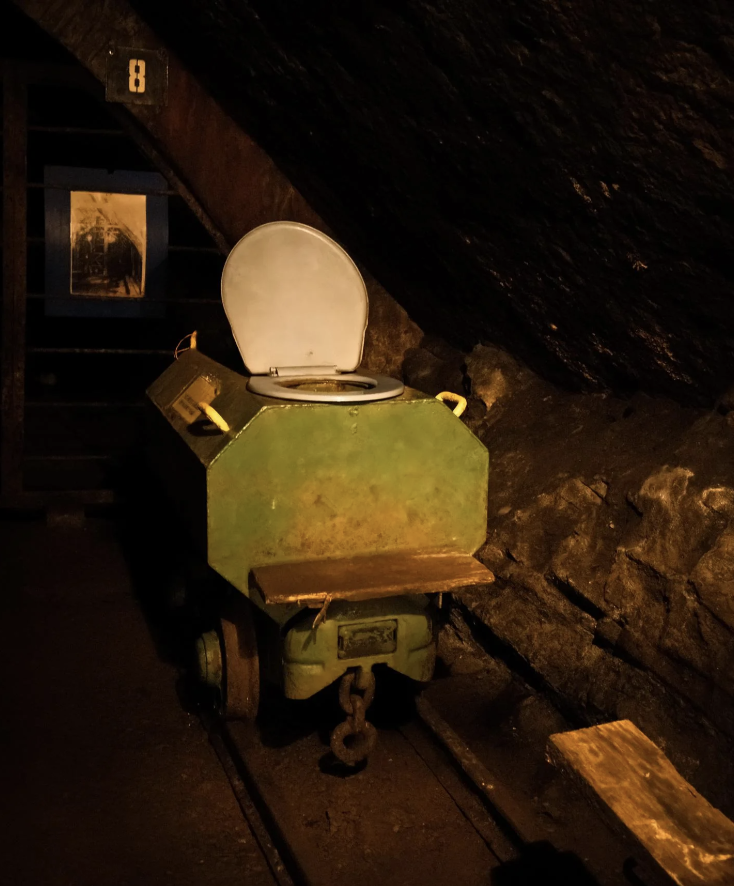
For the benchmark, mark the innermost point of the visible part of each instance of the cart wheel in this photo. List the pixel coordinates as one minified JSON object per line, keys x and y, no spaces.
{"x":241,"y":683}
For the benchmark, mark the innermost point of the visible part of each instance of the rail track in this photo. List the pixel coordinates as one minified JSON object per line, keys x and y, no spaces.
{"x":426,"y":809}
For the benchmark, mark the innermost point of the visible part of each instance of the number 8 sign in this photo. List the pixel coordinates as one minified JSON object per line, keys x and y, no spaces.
{"x":137,"y":75}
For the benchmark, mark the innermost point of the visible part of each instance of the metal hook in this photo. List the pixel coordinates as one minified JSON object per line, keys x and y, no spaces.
{"x":321,"y":613}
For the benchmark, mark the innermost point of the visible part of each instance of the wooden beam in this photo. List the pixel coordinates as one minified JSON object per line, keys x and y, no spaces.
{"x":15,"y":125}
{"x":236,"y":183}
{"x":228,"y":180}
{"x":29,"y":501}
{"x":139,"y":135}
{"x":638,"y":791}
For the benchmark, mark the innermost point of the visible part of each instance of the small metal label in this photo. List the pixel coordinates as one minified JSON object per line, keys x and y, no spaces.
{"x":201,"y":390}
{"x":372,"y":638}
{"x":137,"y":76}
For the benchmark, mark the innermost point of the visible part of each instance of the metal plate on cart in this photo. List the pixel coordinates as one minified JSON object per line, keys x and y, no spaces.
{"x":366,"y":578}
{"x":372,"y":638}
{"x":202,"y":390}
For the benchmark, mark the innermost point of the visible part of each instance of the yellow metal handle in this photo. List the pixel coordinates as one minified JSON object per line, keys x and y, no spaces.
{"x":453,"y":398}
{"x":192,"y":345}
{"x":211,"y":413}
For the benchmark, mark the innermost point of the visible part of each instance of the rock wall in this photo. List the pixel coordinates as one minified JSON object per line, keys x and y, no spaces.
{"x":548,"y":176}
{"x":611,"y":533}
{"x":390,"y":332}
{"x":544,"y":182}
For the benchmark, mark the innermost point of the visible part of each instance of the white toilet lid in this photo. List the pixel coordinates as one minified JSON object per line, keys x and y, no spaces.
{"x":294,"y":298}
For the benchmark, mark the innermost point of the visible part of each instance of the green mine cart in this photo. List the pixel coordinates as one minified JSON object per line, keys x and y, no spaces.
{"x":338,"y":515}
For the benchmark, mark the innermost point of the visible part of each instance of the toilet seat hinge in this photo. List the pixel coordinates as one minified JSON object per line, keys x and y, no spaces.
{"x":297,"y":371}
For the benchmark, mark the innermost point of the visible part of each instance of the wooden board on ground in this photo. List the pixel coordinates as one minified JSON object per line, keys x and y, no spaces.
{"x":640,"y":793}
{"x":364,"y":578}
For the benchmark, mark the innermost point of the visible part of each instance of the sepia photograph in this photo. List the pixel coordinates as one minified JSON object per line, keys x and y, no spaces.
{"x":108,"y":244}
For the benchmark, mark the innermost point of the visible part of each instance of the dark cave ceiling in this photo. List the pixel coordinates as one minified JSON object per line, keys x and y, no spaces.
{"x":552,"y":177}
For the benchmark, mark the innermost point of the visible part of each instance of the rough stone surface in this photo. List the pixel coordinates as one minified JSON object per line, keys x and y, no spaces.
{"x":548,"y":176}
{"x":433,"y":369}
{"x":390,"y":333}
{"x":611,"y":533}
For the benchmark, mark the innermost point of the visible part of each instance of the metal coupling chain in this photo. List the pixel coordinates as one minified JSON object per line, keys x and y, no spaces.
{"x":356,"y":691}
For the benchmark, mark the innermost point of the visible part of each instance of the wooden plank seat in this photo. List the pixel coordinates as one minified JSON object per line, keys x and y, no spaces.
{"x":365,"y":578}
{"x":642,"y":796}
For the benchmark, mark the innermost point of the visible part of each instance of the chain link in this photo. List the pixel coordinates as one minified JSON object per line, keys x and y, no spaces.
{"x":362,"y":680}
{"x":355,"y":706}
{"x":358,"y":707}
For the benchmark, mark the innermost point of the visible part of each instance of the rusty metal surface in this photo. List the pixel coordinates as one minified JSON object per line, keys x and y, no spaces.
{"x":356,"y":693}
{"x":241,"y":695}
{"x":504,"y":807}
{"x":14,"y":279}
{"x":376,"y":638}
{"x":368,"y":577}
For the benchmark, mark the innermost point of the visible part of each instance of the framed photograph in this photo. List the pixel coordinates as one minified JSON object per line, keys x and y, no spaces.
{"x":106,"y":242}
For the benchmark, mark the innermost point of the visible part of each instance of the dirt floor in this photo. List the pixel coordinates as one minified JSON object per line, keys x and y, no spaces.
{"x":105,"y":778}
{"x":507,"y":725}
{"x":387,"y":822}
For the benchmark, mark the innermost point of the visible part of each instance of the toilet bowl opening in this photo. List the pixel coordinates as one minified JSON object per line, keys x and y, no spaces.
{"x":323,"y":385}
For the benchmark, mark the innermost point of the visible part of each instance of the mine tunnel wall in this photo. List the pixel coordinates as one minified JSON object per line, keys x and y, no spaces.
{"x":555,"y":183}
{"x":610,"y":532}
{"x":584,"y":232}
{"x":551,"y":177}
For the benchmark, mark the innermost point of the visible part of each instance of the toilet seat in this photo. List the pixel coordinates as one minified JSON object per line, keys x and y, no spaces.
{"x":297,"y":305}
{"x":370,"y":387}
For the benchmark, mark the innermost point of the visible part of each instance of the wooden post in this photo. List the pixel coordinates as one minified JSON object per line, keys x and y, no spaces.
{"x":15,"y":125}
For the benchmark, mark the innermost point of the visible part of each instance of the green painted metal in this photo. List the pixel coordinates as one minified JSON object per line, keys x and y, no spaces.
{"x":311,"y":657}
{"x":305,"y":481}
{"x":293,"y":481}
